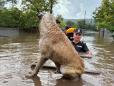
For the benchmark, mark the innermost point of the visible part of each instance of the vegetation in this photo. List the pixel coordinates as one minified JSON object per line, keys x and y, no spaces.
{"x":10,"y":17}
{"x":88,"y":24}
{"x":26,"y":15}
{"x":104,"y":15}
{"x":61,"y":21}
{"x":71,"y":23}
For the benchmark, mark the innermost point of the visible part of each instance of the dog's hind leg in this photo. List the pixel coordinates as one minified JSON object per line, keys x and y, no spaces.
{"x":58,"y":68}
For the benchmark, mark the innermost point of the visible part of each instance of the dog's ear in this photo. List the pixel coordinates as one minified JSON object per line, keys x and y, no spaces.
{"x":40,"y":15}
{"x":58,"y":21}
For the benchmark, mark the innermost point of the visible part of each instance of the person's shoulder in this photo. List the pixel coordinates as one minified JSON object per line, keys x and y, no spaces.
{"x":82,"y":42}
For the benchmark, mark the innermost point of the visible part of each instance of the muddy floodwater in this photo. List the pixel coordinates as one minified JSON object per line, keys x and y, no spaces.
{"x":19,"y":50}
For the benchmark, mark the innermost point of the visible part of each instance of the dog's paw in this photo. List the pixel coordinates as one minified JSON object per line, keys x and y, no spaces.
{"x":30,"y":74}
{"x":33,"y":65}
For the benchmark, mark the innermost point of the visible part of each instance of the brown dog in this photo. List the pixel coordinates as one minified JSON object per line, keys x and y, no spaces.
{"x":55,"y":45}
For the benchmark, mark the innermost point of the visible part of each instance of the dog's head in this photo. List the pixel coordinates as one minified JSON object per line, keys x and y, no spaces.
{"x":41,"y":14}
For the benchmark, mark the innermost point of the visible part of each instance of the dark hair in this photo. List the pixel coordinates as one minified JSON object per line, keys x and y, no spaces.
{"x":78,"y":30}
{"x":67,"y":27}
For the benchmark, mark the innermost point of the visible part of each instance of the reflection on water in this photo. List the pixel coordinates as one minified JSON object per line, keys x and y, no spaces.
{"x":103,"y":49}
{"x":18,"y":52}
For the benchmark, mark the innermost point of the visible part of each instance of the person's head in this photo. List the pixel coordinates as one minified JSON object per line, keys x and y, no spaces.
{"x":77,"y":35}
{"x":68,"y":26}
{"x":69,"y":33}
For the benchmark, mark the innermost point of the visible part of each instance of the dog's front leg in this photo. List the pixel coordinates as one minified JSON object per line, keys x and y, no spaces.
{"x":37,"y":67}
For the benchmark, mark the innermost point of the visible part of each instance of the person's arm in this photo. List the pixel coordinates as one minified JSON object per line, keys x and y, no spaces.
{"x":86,"y":55}
{"x":87,"y":52}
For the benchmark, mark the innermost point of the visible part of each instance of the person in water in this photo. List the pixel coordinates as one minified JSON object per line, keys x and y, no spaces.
{"x":79,"y":45}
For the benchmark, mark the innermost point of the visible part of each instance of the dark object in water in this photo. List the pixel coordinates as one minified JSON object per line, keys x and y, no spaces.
{"x":93,"y":72}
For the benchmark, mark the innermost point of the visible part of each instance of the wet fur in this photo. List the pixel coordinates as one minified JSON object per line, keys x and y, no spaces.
{"x":54,"y":45}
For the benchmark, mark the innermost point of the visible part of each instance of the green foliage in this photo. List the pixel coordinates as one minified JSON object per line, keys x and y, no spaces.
{"x":51,"y":3}
{"x":40,"y":5}
{"x":28,"y":20}
{"x":81,"y":24}
{"x":73,"y":24}
{"x":9,"y":17}
{"x":104,"y":15}
{"x":15,"y":18}
{"x":26,"y":17}
{"x":62,"y":24}
{"x":61,"y":20}
{"x":86,"y":24}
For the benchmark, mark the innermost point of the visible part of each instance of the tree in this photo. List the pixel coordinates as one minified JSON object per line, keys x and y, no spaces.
{"x":28,"y":20}
{"x":52,"y":3}
{"x":27,"y":16}
{"x":112,"y":16}
{"x":104,"y":15}
{"x":61,"y":21}
{"x":10,"y":17}
{"x":81,"y":23}
{"x":13,"y":2}
{"x":73,"y":24}
{"x":2,"y":3}
{"x":40,"y":5}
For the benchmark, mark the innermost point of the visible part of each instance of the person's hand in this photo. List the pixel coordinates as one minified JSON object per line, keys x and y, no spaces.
{"x":89,"y":54}
{"x":86,"y":55}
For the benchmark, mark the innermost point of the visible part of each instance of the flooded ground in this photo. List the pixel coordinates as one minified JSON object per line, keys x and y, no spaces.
{"x":17,"y":52}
